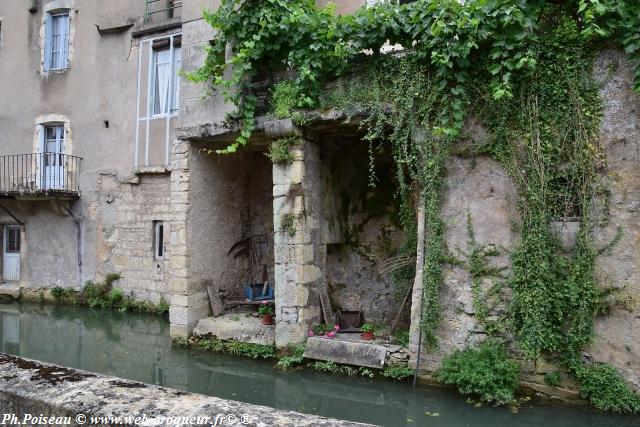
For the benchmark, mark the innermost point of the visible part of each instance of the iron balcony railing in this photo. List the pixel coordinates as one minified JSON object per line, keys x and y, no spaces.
{"x":159,"y":10}
{"x":40,"y":174}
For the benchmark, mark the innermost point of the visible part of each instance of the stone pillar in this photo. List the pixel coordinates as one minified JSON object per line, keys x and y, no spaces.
{"x":300,"y":254}
{"x":187,"y":302}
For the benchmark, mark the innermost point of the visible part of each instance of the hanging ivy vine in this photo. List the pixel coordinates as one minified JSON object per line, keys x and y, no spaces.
{"x":522,"y":66}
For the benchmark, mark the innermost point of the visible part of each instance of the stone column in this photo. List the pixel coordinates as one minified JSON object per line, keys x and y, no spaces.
{"x":187,"y":303}
{"x":300,"y":254}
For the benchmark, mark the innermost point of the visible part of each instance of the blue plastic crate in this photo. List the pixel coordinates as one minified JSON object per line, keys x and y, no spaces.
{"x":254,"y":292}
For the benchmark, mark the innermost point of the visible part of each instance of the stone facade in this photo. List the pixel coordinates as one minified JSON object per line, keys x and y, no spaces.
{"x":127,"y":212}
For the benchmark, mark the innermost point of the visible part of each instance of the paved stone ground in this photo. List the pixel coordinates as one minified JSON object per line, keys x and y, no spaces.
{"x":31,"y":387}
{"x":240,"y":326}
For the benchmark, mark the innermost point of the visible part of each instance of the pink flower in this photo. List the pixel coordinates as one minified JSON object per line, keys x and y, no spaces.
{"x":311,"y":334}
{"x":331,"y":334}
{"x":336,"y":327}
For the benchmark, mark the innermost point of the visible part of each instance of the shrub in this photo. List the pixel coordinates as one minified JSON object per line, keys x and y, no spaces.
{"x":484,"y":372}
{"x":115,"y":297}
{"x":279,"y":150}
{"x":552,"y":379}
{"x":62,"y":294}
{"x":397,"y":372}
{"x":605,"y":388}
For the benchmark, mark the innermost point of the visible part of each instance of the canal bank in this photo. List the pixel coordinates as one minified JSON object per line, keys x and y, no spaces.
{"x":137,"y":347}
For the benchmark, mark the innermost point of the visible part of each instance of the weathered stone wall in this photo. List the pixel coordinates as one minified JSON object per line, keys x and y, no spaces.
{"x":479,"y":187}
{"x":618,"y":334}
{"x":476,"y":189}
{"x":29,"y":387}
{"x":125,"y":213}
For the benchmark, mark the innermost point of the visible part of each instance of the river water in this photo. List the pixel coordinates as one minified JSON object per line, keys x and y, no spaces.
{"x":138,"y":347}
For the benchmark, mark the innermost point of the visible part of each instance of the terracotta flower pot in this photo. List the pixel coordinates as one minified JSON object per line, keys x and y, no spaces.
{"x":267,"y":319}
{"x":367,"y":336}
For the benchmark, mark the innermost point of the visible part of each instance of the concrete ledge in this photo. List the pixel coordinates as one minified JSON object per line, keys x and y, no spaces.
{"x":349,"y":352}
{"x":31,"y":387}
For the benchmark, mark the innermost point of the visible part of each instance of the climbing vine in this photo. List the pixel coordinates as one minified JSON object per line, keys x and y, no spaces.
{"x":522,"y":67}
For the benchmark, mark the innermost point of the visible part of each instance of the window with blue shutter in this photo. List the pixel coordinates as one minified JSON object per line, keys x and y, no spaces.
{"x":56,"y":44}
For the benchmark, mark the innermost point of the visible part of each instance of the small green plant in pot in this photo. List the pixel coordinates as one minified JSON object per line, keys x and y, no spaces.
{"x":367,"y":332}
{"x":266,"y":310}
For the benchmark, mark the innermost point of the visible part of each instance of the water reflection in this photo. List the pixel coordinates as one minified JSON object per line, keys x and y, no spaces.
{"x":138,"y":347}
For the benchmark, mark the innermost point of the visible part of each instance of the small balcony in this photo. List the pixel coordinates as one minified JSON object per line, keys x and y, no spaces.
{"x":40,"y":176}
{"x":162,"y":10}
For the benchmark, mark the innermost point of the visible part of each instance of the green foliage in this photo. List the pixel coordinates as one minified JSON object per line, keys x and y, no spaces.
{"x":552,"y":379}
{"x":398,"y":372}
{"x":102,"y":295}
{"x":288,"y":224}
{"x":284,"y":99}
{"x":292,"y":356}
{"x":447,"y":36}
{"x":279,"y":150}
{"x":367,"y":327}
{"x":237,"y":348}
{"x":340,"y":369}
{"x":401,"y":337}
{"x":266,"y":308}
{"x":484,"y":372}
{"x":478,"y":265}
{"x":63,"y":295}
{"x":618,"y":20}
{"x":605,"y":388}
{"x":546,"y":137}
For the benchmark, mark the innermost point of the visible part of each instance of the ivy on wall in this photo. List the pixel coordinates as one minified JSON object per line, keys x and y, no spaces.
{"x":523,"y":66}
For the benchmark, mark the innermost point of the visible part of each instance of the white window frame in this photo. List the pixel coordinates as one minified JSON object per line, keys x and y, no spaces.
{"x":175,"y":61}
{"x":61,"y":18}
{"x":158,"y":240}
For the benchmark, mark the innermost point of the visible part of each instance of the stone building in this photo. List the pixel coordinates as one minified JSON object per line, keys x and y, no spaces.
{"x":105,"y":166}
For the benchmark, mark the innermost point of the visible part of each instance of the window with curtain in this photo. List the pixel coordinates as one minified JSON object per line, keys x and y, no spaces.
{"x":56,"y":46}
{"x":166,"y":79}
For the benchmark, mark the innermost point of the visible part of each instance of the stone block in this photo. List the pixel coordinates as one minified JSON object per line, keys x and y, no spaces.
{"x":349,"y":352}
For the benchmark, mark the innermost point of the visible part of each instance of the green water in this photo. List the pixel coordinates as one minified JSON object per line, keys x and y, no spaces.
{"x":138,"y":347}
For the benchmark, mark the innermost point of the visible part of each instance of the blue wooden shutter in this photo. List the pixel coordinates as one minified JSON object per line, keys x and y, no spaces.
{"x":64,"y":51}
{"x":48,"y":36}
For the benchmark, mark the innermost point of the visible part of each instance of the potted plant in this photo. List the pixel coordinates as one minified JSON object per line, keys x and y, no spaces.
{"x":266,"y":310}
{"x":367,"y":332}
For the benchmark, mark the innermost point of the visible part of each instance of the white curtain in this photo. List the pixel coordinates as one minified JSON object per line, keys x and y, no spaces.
{"x":163,"y":81}
{"x":177,"y":61}
{"x":64,"y":42}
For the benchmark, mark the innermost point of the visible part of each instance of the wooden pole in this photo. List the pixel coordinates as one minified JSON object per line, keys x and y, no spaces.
{"x":415,"y":331}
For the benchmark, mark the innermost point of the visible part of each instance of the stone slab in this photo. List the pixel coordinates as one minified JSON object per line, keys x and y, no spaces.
{"x":32,"y":387}
{"x":10,"y":291}
{"x":237,"y":327}
{"x":349,"y":352}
